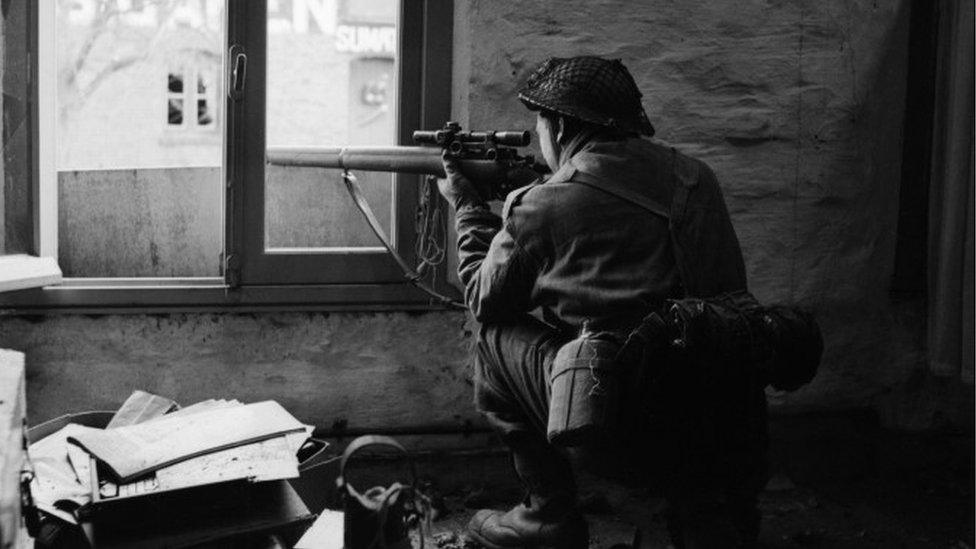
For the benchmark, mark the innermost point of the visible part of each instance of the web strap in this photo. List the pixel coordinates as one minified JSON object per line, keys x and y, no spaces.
{"x":415,"y":278}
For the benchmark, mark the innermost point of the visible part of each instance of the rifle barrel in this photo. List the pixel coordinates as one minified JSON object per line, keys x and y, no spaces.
{"x":420,"y":160}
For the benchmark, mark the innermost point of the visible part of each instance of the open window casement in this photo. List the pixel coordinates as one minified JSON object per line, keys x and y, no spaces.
{"x":21,"y":271}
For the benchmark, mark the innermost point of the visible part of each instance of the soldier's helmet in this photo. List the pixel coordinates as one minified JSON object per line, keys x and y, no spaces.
{"x":592,"y":89}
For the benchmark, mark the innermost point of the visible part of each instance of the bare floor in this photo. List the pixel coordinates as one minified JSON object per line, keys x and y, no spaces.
{"x":919,"y":495}
{"x":871,"y":514}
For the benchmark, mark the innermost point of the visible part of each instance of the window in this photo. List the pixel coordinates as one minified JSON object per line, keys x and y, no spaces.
{"x":199,"y":98}
{"x":151,"y":178}
{"x":175,"y":98}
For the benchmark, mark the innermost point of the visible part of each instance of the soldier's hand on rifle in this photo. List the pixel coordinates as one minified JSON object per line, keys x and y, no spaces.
{"x":455,"y":187}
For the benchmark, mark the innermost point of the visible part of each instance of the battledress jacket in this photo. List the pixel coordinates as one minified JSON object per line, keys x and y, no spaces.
{"x":572,"y":247}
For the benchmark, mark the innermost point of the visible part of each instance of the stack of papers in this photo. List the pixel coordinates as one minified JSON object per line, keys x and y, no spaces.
{"x":135,"y":450}
{"x":151,"y":446}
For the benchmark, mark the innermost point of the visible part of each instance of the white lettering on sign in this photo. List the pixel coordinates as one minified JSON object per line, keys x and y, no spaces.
{"x":373,"y":39}
{"x":302,"y":16}
{"x":321,"y":12}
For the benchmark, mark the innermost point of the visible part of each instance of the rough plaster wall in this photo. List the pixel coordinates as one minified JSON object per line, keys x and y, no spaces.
{"x":798,"y":106}
{"x":373,"y":370}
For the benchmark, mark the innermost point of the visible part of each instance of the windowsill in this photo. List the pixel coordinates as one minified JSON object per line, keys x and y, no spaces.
{"x":21,"y":272}
{"x":95,"y":296}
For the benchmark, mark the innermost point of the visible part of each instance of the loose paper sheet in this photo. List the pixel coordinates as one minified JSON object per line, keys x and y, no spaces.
{"x":55,"y":479}
{"x":326,"y":532}
{"x":139,"y":407}
{"x":202,"y":406}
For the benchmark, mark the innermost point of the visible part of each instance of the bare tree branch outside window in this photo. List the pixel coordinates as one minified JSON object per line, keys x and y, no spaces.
{"x":111,"y":36}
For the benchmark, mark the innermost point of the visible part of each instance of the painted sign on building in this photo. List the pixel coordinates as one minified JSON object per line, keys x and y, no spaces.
{"x":379,"y":40}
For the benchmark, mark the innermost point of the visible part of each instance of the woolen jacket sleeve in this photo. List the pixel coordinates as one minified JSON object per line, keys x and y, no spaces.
{"x":497,"y":273}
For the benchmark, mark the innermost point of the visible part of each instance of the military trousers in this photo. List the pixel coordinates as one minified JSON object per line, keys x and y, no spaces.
{"x":512,"y":366}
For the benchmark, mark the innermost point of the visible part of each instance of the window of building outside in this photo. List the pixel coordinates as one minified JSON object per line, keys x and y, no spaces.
{"x":137,"y":106}
{"x":190,"y":87}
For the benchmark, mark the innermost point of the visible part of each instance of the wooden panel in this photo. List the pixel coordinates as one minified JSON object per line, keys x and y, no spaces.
{"x":12,"y":410}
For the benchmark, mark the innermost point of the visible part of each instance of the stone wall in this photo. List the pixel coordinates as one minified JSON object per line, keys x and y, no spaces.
{"x":364,"y":370}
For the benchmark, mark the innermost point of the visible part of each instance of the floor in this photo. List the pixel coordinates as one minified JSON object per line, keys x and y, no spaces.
{"x":919,"y":495}
{"x":910,"y":491}
{"x":870,"y":514}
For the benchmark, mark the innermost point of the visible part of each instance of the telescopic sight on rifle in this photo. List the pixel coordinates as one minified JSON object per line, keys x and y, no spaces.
{"x":462,"y":143}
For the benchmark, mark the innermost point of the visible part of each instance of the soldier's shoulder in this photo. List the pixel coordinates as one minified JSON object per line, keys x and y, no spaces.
{"x":516,"y":197}
{"x":538,"y":202}
{"x":689,"y":170}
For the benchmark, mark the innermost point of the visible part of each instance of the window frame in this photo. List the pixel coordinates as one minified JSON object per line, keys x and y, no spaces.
{"x":424,"y":74}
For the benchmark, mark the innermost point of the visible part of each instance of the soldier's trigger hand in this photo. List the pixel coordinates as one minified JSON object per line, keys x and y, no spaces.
{"x":456,"y":188}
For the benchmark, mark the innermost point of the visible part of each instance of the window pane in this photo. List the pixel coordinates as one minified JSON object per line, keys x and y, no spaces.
{"x":175,"y":83}
{"x":175,"y":112}
{"x":331,"y":82}
{"x":139,"y":173}
{"x":203,"y":113}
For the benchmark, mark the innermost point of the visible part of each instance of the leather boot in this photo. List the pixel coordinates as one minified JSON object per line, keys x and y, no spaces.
{"x":547,"y":517}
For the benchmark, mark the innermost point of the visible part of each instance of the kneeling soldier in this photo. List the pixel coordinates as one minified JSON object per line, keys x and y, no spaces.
{"x":592,"y":250}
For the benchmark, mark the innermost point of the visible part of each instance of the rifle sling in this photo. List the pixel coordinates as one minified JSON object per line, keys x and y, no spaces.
{"x":356,"y":193}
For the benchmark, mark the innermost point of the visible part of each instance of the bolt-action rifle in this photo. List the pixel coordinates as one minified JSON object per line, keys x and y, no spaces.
{"x":489,"y":159}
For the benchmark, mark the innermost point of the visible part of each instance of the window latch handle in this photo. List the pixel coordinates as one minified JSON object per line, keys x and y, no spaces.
{"x":238,"y":76}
